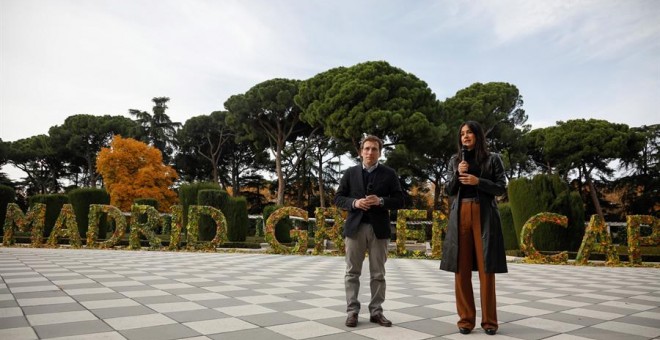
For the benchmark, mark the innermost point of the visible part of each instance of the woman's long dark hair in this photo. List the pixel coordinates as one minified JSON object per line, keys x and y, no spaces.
{"x":481,"y":152}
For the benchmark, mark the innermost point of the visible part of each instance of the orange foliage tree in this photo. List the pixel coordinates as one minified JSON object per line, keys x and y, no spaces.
{"x":132,"y":169}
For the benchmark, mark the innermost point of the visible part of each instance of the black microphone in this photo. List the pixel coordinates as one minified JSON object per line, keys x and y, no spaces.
{"x":464,"y":152}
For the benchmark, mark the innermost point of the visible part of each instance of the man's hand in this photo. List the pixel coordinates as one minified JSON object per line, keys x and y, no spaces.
{"x":367,"y":202}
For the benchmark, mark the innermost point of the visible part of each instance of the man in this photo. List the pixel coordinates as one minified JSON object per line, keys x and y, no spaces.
{"x":367,"y":191}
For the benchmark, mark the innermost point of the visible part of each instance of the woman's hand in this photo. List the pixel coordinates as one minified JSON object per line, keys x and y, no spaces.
{"x":468,"y":179}
{"x":463,"y":167}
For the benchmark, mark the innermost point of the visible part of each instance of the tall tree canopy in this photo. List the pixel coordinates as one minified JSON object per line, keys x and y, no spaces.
{"x":82,"y":136}
{"x":372,"y":98}
{"x":268,"y":113}
{"x":4,"y":153}
{"x":38,"y":159}
{"x":205,"y":136}
{"x":498,"y":108}
{"x":158,"y":129}
{"x":587,"y":147}
{"x":131,"y":169}
{"x":212,"y":148}
{"x":640,"y":189}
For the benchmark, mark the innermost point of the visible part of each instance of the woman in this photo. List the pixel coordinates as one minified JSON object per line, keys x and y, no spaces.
{"x":474,"y":239}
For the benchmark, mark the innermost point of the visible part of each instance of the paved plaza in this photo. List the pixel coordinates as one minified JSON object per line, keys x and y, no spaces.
{"x":114,"y":294}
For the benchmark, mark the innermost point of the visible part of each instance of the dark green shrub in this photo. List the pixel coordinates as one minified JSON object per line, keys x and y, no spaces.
{"x":570,"y":204}
{"x":234,"y":209}
{"x":509,"y":232}
{"x":213,"y":198}
{"x":188,"y":196}
{"x":238,"y":209}
{"x":80,"y":199}
{"x":7,"y":195}
{"x":282,"y":228}
{"x":53,"y":204}
{"x":547,"y":193}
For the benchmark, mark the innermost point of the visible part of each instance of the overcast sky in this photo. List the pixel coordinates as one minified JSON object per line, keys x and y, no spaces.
{"x":569,"y":59}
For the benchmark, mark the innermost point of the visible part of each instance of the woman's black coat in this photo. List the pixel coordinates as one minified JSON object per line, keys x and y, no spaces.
{"x":492,"y":182}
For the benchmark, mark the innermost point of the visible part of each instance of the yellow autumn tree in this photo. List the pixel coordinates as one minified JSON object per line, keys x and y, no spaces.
{"x":132,"y":169}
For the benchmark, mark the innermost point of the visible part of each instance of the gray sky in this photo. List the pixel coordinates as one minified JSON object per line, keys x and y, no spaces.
{"x":569,"y":59}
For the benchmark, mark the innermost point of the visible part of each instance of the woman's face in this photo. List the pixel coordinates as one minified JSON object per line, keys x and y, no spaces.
{"x":467,"y":137}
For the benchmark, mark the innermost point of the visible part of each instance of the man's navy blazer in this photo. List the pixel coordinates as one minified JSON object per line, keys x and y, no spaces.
{"x":351,"y":187}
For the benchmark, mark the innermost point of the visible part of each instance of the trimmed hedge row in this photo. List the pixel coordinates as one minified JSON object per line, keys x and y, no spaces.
{"x":188,"y":195}
{"x":234,"y":209}
{"x":508,"y":230}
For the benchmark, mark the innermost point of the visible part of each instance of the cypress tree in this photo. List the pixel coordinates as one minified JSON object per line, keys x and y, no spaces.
{"x":7,"y":195}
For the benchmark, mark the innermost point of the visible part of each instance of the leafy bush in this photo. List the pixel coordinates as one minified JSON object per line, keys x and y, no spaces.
{"x":508,"y":230}
{"x":188,"y":196}
{"x":238,"y":229}
{"x":213,"y":198}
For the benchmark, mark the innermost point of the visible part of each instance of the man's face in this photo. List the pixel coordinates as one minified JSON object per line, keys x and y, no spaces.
{"x":370,"y":153}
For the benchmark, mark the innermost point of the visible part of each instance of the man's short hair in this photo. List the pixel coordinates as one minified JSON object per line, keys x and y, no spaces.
{"x":372,"y":138}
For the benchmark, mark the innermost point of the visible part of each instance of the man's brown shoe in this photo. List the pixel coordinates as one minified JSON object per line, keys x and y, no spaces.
{"x":351,"y":320}
{"x":381,"y":320}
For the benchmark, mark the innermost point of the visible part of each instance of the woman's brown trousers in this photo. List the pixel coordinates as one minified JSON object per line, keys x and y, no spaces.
{"x":469,"y":245}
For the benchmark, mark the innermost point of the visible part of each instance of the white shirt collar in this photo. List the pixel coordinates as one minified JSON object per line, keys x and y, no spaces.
{"x":371,"y":168}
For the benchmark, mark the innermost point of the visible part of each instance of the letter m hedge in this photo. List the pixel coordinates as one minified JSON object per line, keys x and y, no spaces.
{"x":15,"y":219}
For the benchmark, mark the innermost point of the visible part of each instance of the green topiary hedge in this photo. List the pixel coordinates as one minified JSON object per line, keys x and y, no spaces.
{"x":238,"y":227}
{"x":234,"y":209}
{"x":508,"y":230}
{"x":213,"y":198}
{"x":188,"y":196}
{"x":7,"y":195}
{"x":80,"y":199}
{"x":53,"y":204}
{"x":547,"y":193}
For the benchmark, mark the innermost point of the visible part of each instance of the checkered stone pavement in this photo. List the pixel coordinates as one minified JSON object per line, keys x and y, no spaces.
{"x":113,"y":294}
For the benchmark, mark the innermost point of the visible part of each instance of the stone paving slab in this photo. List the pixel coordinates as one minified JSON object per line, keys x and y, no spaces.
{"x":116,"y":294}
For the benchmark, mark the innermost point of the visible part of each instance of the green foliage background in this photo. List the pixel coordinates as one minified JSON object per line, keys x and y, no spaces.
{"x":547,"y":193}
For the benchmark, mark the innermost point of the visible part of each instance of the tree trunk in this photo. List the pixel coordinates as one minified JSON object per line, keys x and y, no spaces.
{"x":215,"y":174}
{"x":594,"y":198}
{"x":437,"y":195}
{"x":321,"y":190}
{"x":91,"y":173}
{"x":280,"y":176}
{"x":235,"y":185}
